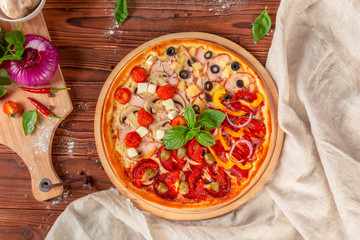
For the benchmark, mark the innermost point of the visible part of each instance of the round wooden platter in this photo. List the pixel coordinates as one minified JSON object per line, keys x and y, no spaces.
{"x":260,"y":178}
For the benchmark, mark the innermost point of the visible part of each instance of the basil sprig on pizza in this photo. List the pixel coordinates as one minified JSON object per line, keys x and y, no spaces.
{"x":186,"y":124}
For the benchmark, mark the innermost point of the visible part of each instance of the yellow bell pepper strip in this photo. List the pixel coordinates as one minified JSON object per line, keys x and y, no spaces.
{"x":256,"y":102}
{"x":216,"y":98}
{"x":233,"y":133}
{"x":225,"y":165}
{"x":223,"y":141}
{"x":244,"y":167}
{"x":229,"y":163}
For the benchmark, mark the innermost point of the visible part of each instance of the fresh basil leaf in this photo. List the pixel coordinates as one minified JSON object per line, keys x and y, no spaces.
{"x":211,"y":119}
{"x":205,"y":138}
{"x":261,"y":26}
{"x":189,"y":116}
{"x":121,"y":11}
{"x":5,"y":79}
{"x":19,"y":50}
{"x":29,"y":120}
{"x":3,"y":91}
{"x":14,"y":37}
{"x":175,"y":137}
{"x":192,"y":133}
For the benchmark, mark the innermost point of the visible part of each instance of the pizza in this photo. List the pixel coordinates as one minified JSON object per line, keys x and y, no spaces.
{"x":186,"y":124}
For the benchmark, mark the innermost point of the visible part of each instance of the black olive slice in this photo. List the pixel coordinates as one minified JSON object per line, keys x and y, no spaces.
{"x":196,"y":108}
{"x":208,"y":55}
{"x":240,"y":83}
{"x":208,"y":86}
{"x":235,"y":66}
{"x":189,"y":62}
{"x":208,"y":98}
{"x":227,"y":97}
{"x":170,"y":51}
{"x":215,"y":69}
{"x":183,"y":74}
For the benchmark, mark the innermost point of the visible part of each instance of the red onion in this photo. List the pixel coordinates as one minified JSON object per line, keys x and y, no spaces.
{"x":242,"y":125}
{"x":241,"y":140}
{"x":39,"y":62}
{"x":215,"y":133}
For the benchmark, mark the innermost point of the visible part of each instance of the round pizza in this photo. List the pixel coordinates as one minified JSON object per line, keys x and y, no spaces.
{"x":186,"y":124}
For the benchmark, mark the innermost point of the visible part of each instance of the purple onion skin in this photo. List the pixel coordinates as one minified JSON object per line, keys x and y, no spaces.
{"x":38,"y":65}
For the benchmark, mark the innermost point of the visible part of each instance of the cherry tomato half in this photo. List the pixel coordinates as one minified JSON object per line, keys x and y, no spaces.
{"x":138,"y":74}
{"x":122,"y":95}
{"x":10,"y":108}
{"x":179,"y":120}
{"x":132,"y":140}
{"x":165,"y":92}
{"x":144,"y":118}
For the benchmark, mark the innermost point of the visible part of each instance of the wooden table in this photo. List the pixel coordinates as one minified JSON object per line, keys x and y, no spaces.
{"x":90,"y":44}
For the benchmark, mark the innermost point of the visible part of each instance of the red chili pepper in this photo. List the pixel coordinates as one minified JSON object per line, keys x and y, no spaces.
{"x":42,"y":90}
{"x":42,"y":108}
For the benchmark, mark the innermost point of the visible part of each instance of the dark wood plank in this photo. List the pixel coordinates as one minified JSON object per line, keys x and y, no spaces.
{"x":90,"y":44}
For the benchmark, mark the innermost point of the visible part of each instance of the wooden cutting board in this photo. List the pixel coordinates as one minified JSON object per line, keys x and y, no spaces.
{"x":35,"y":149}
{"x":263,"y":173}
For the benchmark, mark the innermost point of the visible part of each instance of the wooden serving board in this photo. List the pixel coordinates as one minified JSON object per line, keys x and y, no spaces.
{"x":260,"y":178}
{"x":35,"y":149}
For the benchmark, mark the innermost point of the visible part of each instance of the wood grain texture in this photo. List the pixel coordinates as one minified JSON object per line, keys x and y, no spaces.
{"x":90,"y":44}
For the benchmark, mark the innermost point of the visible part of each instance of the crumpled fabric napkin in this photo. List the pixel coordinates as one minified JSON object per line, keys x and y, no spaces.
{"x":314,"y":191}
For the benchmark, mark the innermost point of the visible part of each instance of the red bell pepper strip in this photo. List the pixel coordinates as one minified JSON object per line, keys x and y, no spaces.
{"x":248,"y":96}
{"x":42,"y":108}
{"x":42,"y":90}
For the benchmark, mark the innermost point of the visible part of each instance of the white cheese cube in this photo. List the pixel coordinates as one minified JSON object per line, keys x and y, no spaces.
{"x":169,"y":104}
{"x":142,"y":131}
{"x":142,"y":87}
{"x":152,"y":88}
{"x":132,"y":152}
{"x":173,"y":114}
{"x":160,"y":134}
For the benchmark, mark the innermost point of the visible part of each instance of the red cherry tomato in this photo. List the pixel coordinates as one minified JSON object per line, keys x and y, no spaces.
{"x":195,"y":151}
{"x":179,"y":120}
{"x":138,"y":74}
{"x":10,"y":108}
{"x":165,"y":92}
{"x":132,"y":140}
{"x":172,"y":180}
{"x":144,"y":118}
{"x":139,"y":172}
{"x":122,"y":95}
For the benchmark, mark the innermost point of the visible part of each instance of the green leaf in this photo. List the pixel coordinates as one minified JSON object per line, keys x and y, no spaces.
{"x":121,"y":11}
{"x":211,"y":119}
{"x":5,"y":79}
{"x":205,"y":138}
{"x":3,"y":91}
{"x":175,"y":137}
{"x":192,"y":133}
{"x":14,"y":37}
{"x":28,"y":121}
{"x":189,"y":116}
{"x":261,"y":26}
{"x":19,"y":50}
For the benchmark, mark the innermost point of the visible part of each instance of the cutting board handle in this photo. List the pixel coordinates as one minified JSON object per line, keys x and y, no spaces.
{"x":41,"y":170}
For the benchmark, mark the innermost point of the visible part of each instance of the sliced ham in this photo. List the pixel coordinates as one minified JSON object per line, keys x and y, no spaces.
{"x":136,"y":100}
{"x":191,"y":58}
{"x":216,"y":61}
{"x":159,"y":66}
{"x":147,"y":147}
{"x":231,"y":86}
{"x":123,"y":130}
{"x":173,"y":80}
{"x":199,"y":56}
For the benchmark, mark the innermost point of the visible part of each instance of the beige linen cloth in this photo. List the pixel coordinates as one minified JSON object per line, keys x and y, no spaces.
{"x":314,"y":192}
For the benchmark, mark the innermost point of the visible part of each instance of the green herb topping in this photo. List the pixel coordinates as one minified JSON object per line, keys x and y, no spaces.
{"x":178,"y":136}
